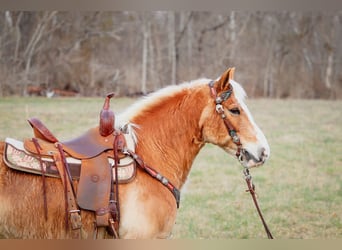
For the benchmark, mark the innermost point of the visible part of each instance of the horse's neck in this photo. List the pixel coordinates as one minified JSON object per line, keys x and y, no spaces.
{"x":169,"y":137}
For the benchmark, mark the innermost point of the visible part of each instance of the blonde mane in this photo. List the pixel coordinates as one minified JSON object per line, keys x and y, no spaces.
{"x":145,"y":102}
{"x":123,"y":119}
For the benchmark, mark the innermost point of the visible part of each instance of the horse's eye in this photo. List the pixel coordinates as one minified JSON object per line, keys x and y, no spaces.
{"x":235,"y":111}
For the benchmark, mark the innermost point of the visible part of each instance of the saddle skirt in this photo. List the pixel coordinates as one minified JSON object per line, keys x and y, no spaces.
{"x":18,"y":158}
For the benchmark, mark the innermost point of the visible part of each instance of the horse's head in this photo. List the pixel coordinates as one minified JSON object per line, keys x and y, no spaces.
{"x":227,"y":122}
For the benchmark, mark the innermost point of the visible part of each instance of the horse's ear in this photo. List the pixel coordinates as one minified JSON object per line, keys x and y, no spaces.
{"x":224,"y":79}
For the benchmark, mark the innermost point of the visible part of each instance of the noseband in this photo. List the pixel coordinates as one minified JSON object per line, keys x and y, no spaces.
{"x":219,"y":109}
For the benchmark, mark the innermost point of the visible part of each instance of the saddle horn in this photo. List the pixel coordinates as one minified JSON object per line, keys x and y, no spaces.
{"x":107,"y":118}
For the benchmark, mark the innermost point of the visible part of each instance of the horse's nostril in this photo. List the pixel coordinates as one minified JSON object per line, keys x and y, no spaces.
{"x":264,"y":154}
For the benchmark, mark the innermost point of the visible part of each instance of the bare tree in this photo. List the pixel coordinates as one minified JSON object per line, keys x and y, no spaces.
{"x":278,"y":54}
{"x":172,"y":46}
{"x":146,"y":35}
{"x":32,"y":44}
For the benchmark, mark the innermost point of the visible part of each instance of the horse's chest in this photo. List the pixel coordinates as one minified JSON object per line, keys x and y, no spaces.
{"x":144,"y":214}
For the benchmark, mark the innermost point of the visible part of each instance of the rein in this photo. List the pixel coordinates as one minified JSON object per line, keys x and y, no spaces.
{"x":251,"y":190}
{"x":232,"y":132}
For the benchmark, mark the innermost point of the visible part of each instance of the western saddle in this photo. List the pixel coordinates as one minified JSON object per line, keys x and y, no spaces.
{"x":88,"y":166}
{"x":97,"y":189}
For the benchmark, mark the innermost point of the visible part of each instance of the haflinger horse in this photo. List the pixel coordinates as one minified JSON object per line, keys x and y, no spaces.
{"x":169,"y":128}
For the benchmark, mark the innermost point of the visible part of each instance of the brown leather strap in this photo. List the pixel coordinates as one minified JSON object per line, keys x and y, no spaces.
{"x":70,"y":203}
{"x":156,"y":175}
{"x":251,"y":190}
{"x":114,"y":204}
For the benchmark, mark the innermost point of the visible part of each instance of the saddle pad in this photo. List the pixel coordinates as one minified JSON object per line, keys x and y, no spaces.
{"x":16,"y":157}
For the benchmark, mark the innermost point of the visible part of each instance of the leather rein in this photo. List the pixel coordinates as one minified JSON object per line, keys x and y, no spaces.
{"x":232,"y":132}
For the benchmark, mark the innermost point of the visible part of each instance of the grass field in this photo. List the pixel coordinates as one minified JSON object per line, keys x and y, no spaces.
{"x":299,"y":188}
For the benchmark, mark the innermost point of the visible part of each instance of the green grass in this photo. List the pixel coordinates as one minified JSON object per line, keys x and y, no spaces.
{"x":299,"y":188}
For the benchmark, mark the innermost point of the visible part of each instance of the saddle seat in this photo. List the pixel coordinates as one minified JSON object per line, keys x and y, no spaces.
{"x":88,"y":145}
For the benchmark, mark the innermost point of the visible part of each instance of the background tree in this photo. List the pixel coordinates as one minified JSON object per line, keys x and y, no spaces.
{"x":277,"y":54}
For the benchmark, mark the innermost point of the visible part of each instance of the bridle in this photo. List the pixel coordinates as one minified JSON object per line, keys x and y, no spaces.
{"x":236,"y":139}
{"x":219,"y":109}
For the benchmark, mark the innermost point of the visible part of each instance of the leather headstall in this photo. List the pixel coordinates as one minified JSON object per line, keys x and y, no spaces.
{"x":224,"y":96}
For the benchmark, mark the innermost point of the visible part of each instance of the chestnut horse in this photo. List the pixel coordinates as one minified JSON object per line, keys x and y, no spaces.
{"x":169,"y":127}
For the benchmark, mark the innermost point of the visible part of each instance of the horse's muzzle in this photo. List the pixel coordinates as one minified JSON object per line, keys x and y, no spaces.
{"x":249,"y":160}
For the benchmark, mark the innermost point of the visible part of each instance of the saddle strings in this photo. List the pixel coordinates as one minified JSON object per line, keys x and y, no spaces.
{"x":114,"y":203}
{"x":65,"y":185}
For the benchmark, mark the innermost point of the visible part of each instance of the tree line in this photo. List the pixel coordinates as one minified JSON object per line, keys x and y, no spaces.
{"x":277,"y":54}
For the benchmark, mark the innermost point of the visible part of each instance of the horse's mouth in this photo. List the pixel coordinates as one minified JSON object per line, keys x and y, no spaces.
{"x":248,"y":160}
